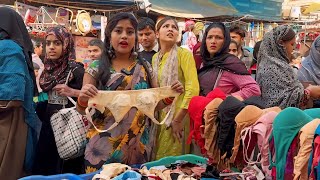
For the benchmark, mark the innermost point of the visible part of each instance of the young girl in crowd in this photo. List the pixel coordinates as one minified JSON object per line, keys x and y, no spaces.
{"x":132,"y":141}
{"x":233,"y":48}
{"x":170,"y":64}
{"x":279,"y":84}
{"x":59,"y":61}
{"x":221,"y":69}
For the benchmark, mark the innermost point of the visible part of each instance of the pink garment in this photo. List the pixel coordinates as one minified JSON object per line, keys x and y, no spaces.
{"x":238,"y":85}
{"x":262,"y":130}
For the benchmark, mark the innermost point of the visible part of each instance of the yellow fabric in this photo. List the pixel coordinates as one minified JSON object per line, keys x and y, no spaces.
{"x":312,"y":8}
{"x":188,"y":77}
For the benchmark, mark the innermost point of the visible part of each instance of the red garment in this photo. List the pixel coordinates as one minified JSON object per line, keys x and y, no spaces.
{"x":196,"y":107}
{"x":315,"y":157}
{"x":197,"y":57}
{"x":254,"y":67}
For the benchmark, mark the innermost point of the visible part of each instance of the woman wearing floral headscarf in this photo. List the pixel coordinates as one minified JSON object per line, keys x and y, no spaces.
{"x":59,"y":61}
{"x":279,"y":84}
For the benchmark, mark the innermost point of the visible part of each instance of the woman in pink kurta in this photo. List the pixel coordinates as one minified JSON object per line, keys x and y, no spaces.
{"x":221,"y":69}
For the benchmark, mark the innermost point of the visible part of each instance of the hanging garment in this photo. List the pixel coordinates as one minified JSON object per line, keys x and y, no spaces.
{"x":314,"y":112}
{"x":285,"y":128}
{"x":314,"y":163}
{"x":196,"y":109}
{"x":247,"y":117}
{"x":306,"y":139}
{"x":210,"y":116}
{"x":261,"y":131}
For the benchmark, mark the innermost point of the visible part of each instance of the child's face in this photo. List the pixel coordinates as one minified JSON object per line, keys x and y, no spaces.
{"x":36,"y":72}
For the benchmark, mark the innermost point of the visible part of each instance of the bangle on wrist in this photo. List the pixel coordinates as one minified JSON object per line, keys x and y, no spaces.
{"x":167,"y":101}
{"x":82,"y":103}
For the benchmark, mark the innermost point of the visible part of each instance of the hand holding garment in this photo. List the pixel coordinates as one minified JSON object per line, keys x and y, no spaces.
{"x":306,"y":139}
{"x":178,"y":64}
{"x":120,"y":102}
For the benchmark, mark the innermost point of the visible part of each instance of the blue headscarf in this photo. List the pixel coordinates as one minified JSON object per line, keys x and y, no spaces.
{"x":310,"y":70}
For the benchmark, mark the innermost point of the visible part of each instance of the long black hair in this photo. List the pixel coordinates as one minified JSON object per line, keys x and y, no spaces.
{"x":108,"y":51}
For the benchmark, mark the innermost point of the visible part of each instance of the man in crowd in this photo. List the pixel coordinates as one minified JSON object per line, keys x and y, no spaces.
{"x":238,"y":35}
{"x":95,"y":49}
{"x":147,"y":39}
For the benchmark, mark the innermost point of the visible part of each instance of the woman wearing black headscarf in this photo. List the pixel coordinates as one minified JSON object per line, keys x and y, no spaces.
{"x":221,"y":69}
{"x":19,"y":125}
{"x":59,"y":62}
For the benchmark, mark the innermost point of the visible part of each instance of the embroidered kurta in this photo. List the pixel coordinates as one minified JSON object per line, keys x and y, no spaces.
{"x":187,"y":75}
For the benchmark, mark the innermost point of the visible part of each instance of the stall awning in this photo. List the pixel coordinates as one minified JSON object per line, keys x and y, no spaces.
{"x":101,"y":5}
{"x":193,"y":8}
{"x":259,"y":9}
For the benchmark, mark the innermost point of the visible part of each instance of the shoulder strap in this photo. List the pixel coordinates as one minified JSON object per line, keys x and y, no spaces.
{"x":66,"y":83}
{"x":147,"y":68}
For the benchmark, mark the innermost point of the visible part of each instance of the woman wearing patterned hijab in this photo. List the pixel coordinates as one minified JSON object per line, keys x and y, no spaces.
{"x":279,"y":84}
{"x":59,"y":61}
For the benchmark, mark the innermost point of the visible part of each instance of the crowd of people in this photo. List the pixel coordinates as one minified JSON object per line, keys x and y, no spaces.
{"x":135,"y":55}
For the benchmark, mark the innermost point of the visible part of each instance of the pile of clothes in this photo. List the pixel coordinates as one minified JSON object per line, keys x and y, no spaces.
{"x":176,"y":171}
{"x":254,"y":141}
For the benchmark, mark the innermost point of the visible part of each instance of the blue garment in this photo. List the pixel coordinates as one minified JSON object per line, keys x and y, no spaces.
{"x":16,"y":84}
{"x":184,"y":38}
{"x":128,"y":175}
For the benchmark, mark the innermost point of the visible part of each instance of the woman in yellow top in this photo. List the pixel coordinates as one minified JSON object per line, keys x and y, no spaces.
{"x":170,"y":64}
